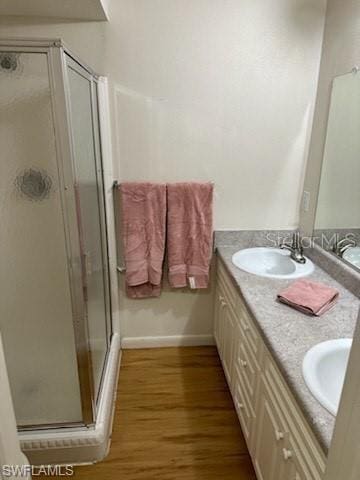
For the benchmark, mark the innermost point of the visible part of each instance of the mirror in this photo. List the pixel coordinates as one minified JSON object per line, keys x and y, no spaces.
{"x":337,"y":222}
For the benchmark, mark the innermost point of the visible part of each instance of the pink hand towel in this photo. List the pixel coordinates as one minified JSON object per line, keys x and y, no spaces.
{"x":143,"y":220}
{"x":309,"y":297}
{"x":189,"y":235}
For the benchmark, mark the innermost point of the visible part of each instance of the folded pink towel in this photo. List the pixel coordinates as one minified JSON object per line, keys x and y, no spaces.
{"x":309,"y":297}
{"x":143,"y":223}
{"x":189,"y":235}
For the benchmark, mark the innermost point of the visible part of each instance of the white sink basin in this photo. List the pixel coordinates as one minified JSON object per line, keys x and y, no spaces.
{"x":324,"y":368}
{"x":271,"y":262}
{"x":352,"y":255}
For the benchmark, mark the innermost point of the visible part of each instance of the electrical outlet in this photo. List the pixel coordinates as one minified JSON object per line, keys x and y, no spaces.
{"x":306,"y":201}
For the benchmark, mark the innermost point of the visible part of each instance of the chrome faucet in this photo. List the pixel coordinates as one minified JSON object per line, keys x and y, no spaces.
{"x":295,"y":248}
{"x":340,"y":247}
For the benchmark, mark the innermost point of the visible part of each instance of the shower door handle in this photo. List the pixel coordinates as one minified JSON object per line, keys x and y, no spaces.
{"x":85,"y":272}
{"x":87,"y":263}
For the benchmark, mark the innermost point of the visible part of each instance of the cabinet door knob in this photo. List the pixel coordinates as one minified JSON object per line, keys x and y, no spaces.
{"x":246,"y":327}
{"x":239,"y":405}
{"x":287,"y":454}
{"x":221,"y":298}
{"x":279,"y":435}
{"x":243,"y":363}
{"x":223,"y":304}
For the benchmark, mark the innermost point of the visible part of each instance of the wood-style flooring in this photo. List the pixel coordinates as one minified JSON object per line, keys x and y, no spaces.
{"x":174,"y":420}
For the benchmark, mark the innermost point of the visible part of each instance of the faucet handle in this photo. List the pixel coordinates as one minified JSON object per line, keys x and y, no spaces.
{"x":296,"y":240}
{"x":340,"y":246}
{"x":297,"y":243}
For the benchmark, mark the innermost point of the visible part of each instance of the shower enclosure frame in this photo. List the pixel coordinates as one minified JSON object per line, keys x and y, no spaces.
{"x":57,"y":54}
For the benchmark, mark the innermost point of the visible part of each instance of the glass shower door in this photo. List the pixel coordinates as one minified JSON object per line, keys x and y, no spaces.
{"x":90,"y":212}
{"x":36,"y":318}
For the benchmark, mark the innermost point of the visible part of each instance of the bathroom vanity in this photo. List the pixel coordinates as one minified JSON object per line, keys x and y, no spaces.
{"x":261,"y":345}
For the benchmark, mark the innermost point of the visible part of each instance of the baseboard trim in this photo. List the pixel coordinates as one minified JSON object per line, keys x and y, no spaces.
{"x":168,"y":341}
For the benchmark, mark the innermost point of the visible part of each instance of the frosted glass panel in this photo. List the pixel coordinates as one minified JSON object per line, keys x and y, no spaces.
{"x":35,"y":307}
{"x":89,"y":191}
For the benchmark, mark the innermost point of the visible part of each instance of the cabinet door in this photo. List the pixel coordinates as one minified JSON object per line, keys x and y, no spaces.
{"x":244,"y":408}
{"x":270,"y":452}
{"x":301,"y":451}
{"x":297,"y":467}
{"x":296,"y":474}
{"x":217,"y":314}
{"x":229,"y":342}
{"x":224,"y":326}
{"x":220,"y":323}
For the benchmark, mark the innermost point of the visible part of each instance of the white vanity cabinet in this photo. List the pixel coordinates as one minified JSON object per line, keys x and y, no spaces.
{"x":280,"y":442}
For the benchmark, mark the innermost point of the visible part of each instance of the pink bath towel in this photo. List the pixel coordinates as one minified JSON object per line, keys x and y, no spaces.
{"x":309,"y":297}
{"x":189,"y":234}
{"x":143,"y":223}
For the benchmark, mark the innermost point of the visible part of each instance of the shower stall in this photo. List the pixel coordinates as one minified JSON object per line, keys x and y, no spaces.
{"x":55,"y":310}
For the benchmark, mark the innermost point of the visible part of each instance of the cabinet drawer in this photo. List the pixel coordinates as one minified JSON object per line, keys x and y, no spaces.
{"x":248,"y":368}
{"x":248,"y":327}
{"x":306,"y":449}
{"x":230,"y":291}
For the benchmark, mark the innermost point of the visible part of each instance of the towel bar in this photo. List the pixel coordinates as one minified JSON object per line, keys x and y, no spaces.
{"x":119,"y":269}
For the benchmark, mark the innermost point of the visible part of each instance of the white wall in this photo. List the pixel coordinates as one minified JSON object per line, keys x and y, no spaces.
{"x":206,"y":90}
{"x":340,"y":53}
{"x":219,"y":91}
